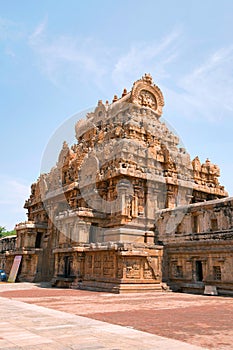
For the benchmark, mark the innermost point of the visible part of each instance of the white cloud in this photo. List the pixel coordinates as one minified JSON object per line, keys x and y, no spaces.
{"x":10,"y":30}
{"x":5,"y":28}
{"x":63,"y":58}
{"x":39,"y":31}
{"x":202,"y":90}
{"x":206,"y":91}
{"x":147,"y":57}
{"x":9,"y":52}
{"x":66,"y":58}
{"x":10,"y":33}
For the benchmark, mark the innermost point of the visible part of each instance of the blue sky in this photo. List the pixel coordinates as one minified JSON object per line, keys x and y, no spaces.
{"x":60,"y":57}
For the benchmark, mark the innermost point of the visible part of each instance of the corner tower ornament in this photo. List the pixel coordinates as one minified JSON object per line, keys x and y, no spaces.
{"x":146,"y":94}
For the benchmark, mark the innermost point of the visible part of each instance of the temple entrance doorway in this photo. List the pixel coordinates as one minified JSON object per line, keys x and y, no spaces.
{"x":199,"y":271}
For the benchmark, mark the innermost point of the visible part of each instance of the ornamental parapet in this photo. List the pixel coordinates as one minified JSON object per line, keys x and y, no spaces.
{"x":30,"y":225}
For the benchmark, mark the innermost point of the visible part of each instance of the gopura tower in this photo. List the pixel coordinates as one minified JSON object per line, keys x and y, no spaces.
{"x":92,"y":218}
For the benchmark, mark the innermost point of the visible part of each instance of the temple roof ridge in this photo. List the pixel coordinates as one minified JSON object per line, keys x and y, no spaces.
{"x":143,"y":93}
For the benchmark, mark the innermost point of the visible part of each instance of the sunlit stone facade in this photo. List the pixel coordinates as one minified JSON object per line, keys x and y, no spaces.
{"x":95,"y":220}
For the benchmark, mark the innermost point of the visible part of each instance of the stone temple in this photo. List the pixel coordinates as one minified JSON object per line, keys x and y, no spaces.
{"x":126,"y":209}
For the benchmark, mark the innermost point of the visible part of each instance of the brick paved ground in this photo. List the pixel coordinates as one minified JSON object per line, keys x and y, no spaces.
{"x":28,"y":327}
{"x":199,"y":320}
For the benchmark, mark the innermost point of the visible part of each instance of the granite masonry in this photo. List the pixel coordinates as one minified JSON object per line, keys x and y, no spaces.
{"x":126,"y":209}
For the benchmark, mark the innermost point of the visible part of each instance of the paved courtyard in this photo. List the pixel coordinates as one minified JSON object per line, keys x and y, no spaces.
{"x":47,"y":318}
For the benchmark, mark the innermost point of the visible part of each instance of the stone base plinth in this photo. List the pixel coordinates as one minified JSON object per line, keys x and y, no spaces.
{"x":111,"y":267}
{"x":121,"y":287}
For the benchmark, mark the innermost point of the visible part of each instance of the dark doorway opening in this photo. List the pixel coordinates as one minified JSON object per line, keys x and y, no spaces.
{"x":199,"y":271}
{"x":67,"y":266}
{"x":38,"y":239}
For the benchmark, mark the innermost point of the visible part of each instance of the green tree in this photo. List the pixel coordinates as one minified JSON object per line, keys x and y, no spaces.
{"x":2,"y":230}
{"x":4,"y":233}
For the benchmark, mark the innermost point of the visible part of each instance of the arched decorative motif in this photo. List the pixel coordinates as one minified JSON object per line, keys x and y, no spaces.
{"x":145,"y":93}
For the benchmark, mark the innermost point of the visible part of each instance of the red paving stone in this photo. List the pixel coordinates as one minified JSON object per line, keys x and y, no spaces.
{"x":42,"y":292}
{"x":184,"y":324}
{"x":200,"y":320}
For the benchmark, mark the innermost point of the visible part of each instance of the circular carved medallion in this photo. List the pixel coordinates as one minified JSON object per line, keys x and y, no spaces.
{"x":147,"y":99}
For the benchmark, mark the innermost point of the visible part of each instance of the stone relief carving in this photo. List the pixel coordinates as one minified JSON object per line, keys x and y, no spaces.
{"x":147,"y":99}
{"x":147,"y":272}
{"x":147,"y":94}
{"x":133,"y":269}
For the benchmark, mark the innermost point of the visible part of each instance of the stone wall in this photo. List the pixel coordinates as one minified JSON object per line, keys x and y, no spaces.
{"x":113,"y":267}
{"x":7,"y":243}
{"x":198,"y":248}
